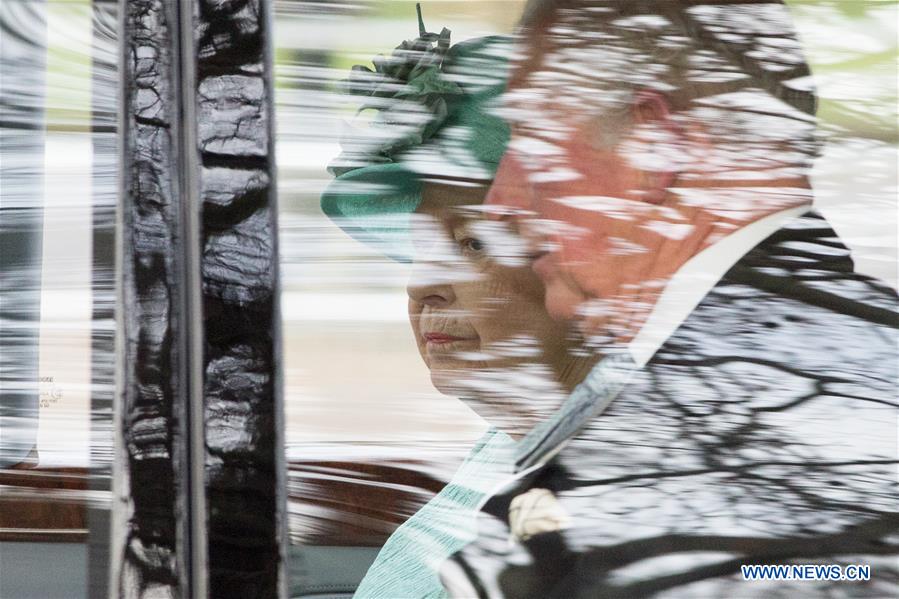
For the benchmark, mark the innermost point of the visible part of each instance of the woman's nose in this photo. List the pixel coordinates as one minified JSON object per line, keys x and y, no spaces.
{"x":430,"y":284}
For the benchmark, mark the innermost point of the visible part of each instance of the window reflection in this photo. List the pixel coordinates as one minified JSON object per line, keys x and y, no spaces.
{"x":637,"y":293}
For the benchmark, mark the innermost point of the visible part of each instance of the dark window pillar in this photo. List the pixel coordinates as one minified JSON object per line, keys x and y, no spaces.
{"x":199,"y":479}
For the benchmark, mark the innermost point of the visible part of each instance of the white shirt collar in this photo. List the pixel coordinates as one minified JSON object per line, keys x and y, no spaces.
{"x":697,"y":277}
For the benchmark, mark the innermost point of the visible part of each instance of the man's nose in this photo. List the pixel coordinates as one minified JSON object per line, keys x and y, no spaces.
{"x":510,"y":192}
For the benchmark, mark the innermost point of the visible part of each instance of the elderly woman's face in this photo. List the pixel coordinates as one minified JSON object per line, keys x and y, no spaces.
{"x":479,"y":318}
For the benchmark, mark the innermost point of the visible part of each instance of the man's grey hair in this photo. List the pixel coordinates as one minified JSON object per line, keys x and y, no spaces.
{"x":742,"y":57}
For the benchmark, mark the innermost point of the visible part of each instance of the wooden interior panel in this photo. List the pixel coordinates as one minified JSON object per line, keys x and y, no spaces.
{"x":42,"y":504}
{"x":332,"y":503}
{"x":357,"y":504}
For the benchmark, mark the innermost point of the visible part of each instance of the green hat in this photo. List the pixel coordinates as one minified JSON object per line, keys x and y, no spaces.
{"x":434,"y":122}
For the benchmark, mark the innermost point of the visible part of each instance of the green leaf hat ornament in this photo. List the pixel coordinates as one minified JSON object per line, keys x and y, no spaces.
{"x":434,"y":120}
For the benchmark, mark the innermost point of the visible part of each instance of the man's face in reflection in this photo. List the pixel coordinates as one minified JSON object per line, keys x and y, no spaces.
{"x":479,"y":320}
{"x":560,"y":207}
{"x":586,"y":179}
{"x":614,"y":188}
{"x":577,"y":199}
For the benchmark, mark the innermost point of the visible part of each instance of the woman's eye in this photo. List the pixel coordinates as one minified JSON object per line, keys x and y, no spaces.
{"x":470,"y":245}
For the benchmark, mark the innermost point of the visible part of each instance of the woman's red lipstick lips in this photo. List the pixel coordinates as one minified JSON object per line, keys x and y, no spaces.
{"x":442,"y":338}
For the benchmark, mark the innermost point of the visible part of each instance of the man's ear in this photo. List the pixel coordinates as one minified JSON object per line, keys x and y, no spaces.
{"x":651,"y":112}
{"x":651,"y":107}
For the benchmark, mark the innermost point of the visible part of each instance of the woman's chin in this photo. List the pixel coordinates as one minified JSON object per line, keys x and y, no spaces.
{"x":446,"y":381}
{"x":456,"y":378}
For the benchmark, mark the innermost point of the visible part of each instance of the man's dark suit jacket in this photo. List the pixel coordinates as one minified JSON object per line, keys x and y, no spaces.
{"x":764,"y":431}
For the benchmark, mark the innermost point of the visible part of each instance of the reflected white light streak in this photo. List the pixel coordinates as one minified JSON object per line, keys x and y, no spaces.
{"x":63,"y":438}
{"x":350,"y":307}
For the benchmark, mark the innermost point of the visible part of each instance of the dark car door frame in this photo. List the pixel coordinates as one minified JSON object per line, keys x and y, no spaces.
{"x":199,"y":471}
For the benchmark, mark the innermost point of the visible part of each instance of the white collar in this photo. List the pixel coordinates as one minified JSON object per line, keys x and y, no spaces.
{"x":697,"y":277}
